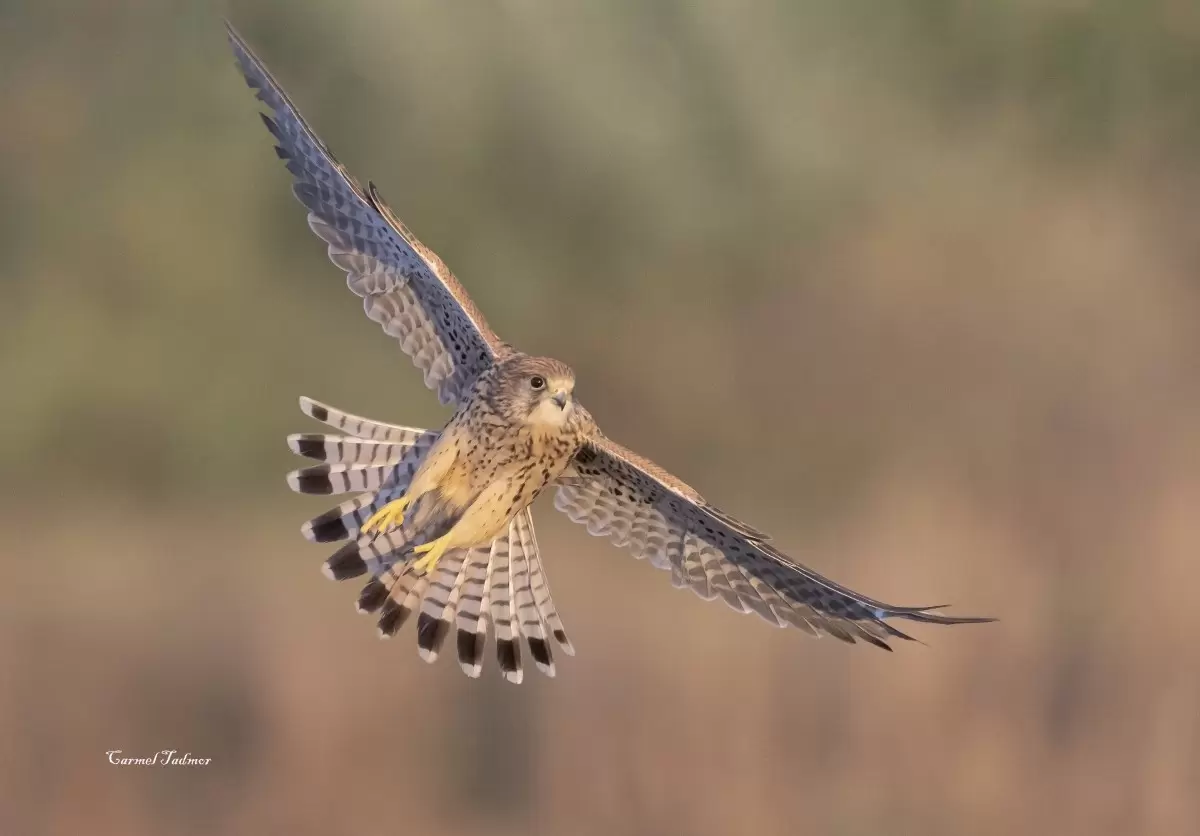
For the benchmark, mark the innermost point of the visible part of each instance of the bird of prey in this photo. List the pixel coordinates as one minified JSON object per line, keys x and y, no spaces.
{"x":441,"y":524}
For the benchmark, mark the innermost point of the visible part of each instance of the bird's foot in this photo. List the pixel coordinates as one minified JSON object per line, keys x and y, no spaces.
{"x":433,"y":551}
{"x":388,"y":517}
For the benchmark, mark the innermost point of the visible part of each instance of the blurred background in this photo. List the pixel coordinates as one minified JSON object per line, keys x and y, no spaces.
{"x":913,"y":285}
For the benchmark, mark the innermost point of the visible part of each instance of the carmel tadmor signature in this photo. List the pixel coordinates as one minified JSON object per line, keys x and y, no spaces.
{"x":166,"y":757}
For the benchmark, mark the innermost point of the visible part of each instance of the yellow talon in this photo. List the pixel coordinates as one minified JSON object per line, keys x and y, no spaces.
{"x":433,"y":551}
{"x":389,"y":516}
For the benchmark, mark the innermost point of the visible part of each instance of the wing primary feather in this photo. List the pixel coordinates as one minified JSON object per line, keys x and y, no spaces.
{"x":449,"y":339}
{"x":617,"y":494}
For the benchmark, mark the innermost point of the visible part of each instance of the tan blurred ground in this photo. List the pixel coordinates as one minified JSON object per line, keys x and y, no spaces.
{"x":915,"y":286}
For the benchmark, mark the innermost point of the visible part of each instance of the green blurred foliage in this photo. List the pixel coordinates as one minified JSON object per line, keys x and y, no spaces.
{"x":165,"y":302}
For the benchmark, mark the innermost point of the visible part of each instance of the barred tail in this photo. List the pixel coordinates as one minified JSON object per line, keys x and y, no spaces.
{"x":503,"y":583}
{"x":374,"y":457}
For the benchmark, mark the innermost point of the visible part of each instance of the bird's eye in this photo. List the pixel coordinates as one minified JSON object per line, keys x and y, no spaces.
{"x":537,"y":382}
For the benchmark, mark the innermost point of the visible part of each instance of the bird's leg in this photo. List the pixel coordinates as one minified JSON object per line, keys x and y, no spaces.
{"x":389,"y":516}
{"x":433,"y":551}
{"x":478,"y":525}
{"x":431,"y":473}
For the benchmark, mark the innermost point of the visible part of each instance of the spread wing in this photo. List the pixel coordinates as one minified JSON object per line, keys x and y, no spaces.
{"x":405,"y":287}
{"x":639,"y":506}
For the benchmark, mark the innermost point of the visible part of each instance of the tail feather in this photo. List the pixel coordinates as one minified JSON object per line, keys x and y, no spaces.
{"x":469,"y":616}
{"x":404,"y":597}
{"x":358,"y":426}
{"x":369,"y":555}
{"x":339,"y":478}
{"x":346,"y":520}
{"x":433,"y":624}
{"x":372,"y":596}
{"x":498,"y":593}
{"x":541,"y":589}
{"x":529,"y":620}
{"x":340,"y":522}
{"x":344,"y":449}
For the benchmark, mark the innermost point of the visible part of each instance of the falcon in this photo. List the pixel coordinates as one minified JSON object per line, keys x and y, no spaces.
{"x":441,"y":523}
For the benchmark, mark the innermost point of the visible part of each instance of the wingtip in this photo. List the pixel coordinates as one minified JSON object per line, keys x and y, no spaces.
{"x":241,"y":50}
{"x":928,"y":616}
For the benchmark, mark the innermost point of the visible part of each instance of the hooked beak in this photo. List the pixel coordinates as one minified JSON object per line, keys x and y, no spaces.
{"x":560,"y":398}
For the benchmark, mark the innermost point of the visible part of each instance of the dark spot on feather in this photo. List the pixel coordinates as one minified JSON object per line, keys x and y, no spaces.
{"x":319,"y":412}
{"x":507,"y":655}
{"x":372,"y":596}
{"x":540,"y":651}
{"x":314,"y":480}
{"x":468,"y":652}
{"x":346,"y":563}
{"x":429,"y":631}
{"x":311,"y":446}
{"x":392,"y":617}
{"x":328,"y":527}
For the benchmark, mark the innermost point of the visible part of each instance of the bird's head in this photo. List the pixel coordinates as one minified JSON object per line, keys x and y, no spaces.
{"x":539,"y":390}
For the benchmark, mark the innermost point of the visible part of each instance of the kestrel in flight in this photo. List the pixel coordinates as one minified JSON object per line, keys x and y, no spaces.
{"x":441,"y":524}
